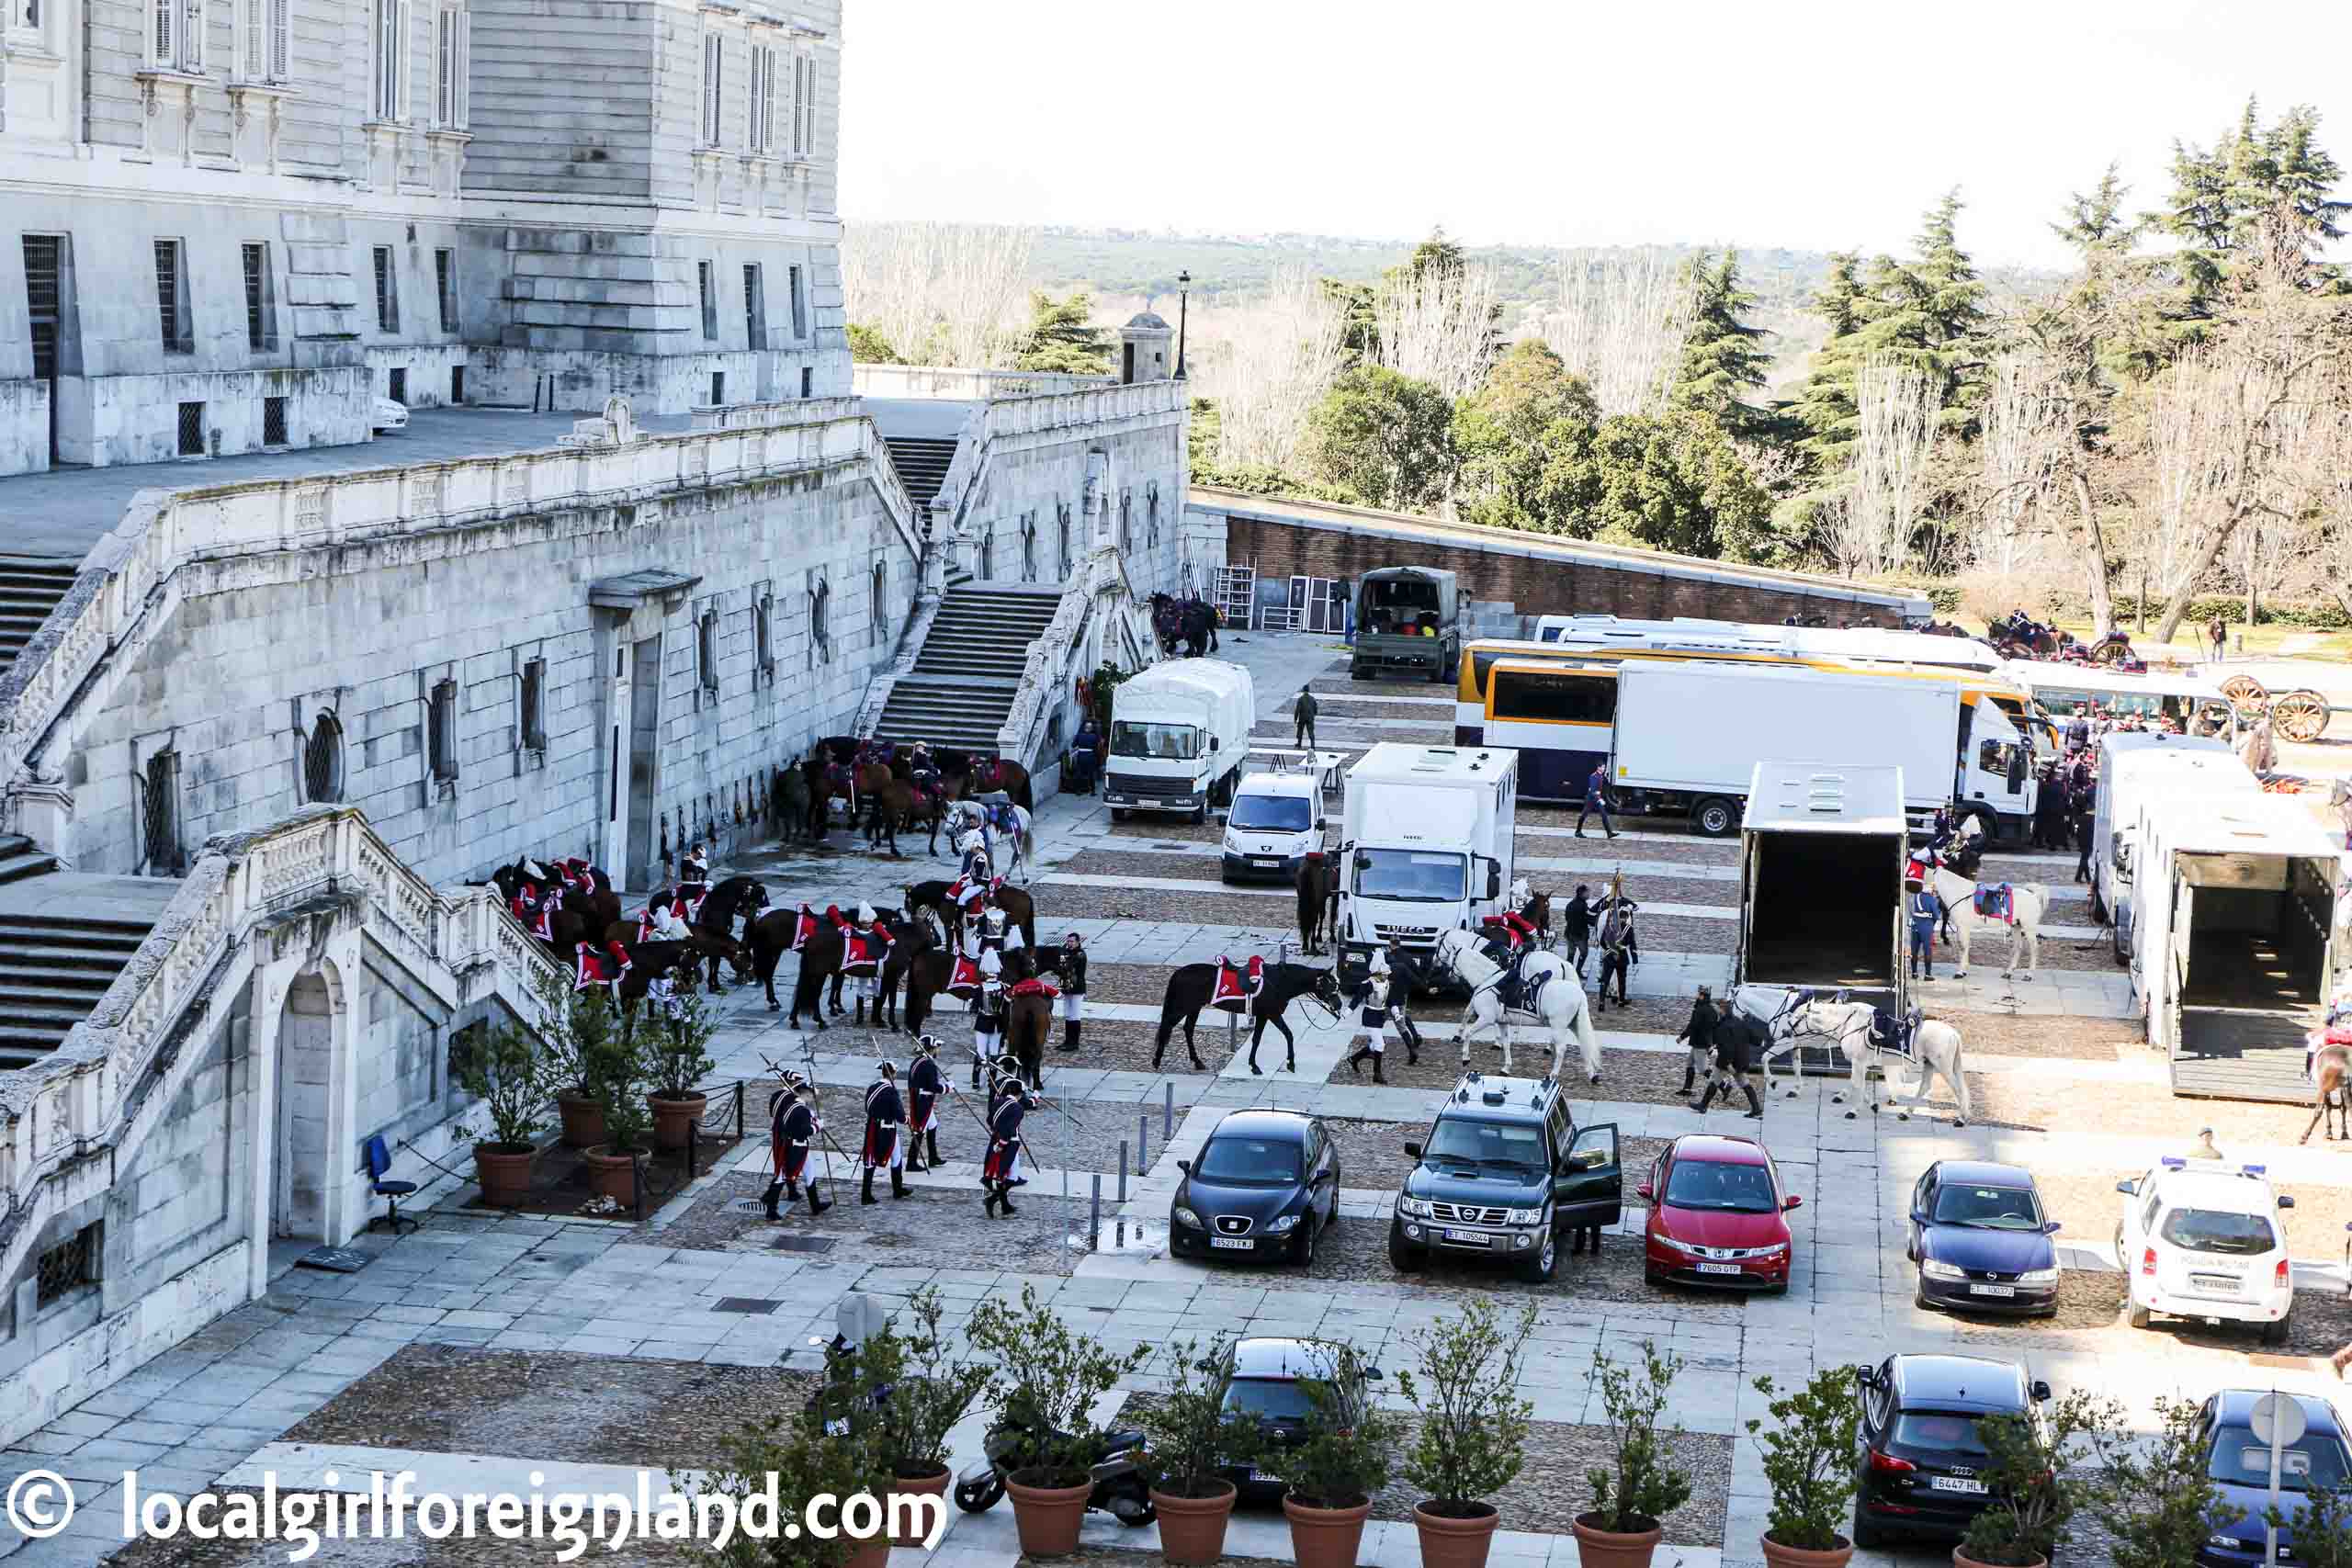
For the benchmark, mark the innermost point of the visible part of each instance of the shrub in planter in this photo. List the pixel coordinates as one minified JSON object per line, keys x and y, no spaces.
{"x":1349,"y":1446}
{"x":2153,"y":1496}
{"x":1193,"y":1436}
{"x":1043,"y":1390}
{"x":506,"y":1071}
{"x":926,"y":1392}
{"x":799,"y":1460}
{"x":1642,"y":1484}
{"x":2026,"y":1468}
{"x":614,"y":1069}
{"x":576,"y":1027}
{"x":677,"y":1056}
{"x":1474,"y":1429}
{"x":1809,"y":1462}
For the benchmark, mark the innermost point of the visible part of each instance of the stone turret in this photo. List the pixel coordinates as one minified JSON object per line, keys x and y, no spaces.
{"x":1146,"y":349}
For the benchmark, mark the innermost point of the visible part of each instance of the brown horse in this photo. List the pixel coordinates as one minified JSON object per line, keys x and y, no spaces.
{"x":1028,"y":1020}
{"x":770,"y":938}
{"x":704,"y":945}
{"x":923,"y":966}
{"x":1316,"y":890}
{"x":966,"y":776}
{"x":1017,"y":906}
{"x":2331,"y":1067}
{"x":899,"y":804}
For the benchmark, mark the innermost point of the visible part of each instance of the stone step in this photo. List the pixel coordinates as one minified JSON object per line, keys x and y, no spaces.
{"x":64,"y":991}
{"x":16,"y":865}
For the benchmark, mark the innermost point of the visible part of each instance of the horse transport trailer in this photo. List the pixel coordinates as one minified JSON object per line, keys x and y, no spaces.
{"x":1179,"y":732}
{"x":2234,"y":946}
{"x":2139,"y":769}
{"x":1821,"y":880}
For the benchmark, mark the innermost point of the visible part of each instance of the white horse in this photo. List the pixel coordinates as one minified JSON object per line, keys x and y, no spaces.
{"x":2028,"y":903}
{"x":1560,"y":1005}
{"x":967,"y":816}
{"x":1935,"y":1047}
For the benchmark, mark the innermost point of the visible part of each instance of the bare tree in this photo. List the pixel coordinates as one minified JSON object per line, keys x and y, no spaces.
{"x":2025,"y":434}
{"x":1266,"y":363}
{"x":1620,"y":323}
{"x":941,"y":293}
{"x":1439,"y":327}
{"x":1895,"y":407}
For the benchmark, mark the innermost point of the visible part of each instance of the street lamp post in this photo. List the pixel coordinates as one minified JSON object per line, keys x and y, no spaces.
{"x":1183,"y":302}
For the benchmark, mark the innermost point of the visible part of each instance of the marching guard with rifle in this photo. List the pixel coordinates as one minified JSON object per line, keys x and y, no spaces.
{"x":885,"y":1148}
{"x":925,"y":1084}
{"x":795,"y":1127}
{"x":1001,"y":1172}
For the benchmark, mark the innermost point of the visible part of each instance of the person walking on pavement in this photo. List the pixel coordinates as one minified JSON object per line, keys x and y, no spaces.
{"x":1302,"y":716}
{"x":1620,"y":946}
{"x":1926,"y":912}
{"x":2217,"y":634}
{"x":1596,"y":798}
{"x":1699,"y":1034}
{"x":2083,"y":833}
{"x":1576,"y":928}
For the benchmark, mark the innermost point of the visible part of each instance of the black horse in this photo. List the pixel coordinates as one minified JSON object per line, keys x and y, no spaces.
{"x":737,"y":898}
{"x":1189,"y":621}
{"x":1190,"y":988}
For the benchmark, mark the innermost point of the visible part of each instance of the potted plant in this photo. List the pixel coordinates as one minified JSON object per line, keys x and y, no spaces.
{"x":1632,"y":1495}
{"x":506,"y":1072}
{"x":2028,"y":1461}
{"x":1193,"y":1438}
{"x":678,"y":1055}
{"x":616,"y":1080}
{"x":1809,"y":1463}
{"x":576,"y":1025}
{"x":788,"y":1459}
{"x":1333,"y":1472}
{"x":1043,"y":1390}
{"x":1474,"y":1429}
{"x":925,"y":1393}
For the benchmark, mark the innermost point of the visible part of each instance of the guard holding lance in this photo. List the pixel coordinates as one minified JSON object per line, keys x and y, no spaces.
{"x":1001,"y":1172}
{"x":925,"y":1084}
{"x":794,"y":1130}
{"x":885,"y":1148}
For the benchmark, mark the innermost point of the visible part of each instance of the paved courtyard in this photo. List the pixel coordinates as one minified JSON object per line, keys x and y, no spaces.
{"x":482,"y":1347}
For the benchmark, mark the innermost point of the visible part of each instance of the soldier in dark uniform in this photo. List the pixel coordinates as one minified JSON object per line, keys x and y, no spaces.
{"x":793,"y":1131}
{"x":883,"y":1148}
{"x":925,"y":1084}
{"x":1001,"y":1172}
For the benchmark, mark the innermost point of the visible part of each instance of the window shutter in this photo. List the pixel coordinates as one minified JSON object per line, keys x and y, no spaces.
{"x":445,"y":65}
{"x":164,"y":54}
{"x":192,"y":31}
{"x":280,"y":43}
{"x":253,"y":64}
{"x":465,"y":26}
{"x":407,"y":103}
{"x":808,"y":110}
{"x":767,"y":122}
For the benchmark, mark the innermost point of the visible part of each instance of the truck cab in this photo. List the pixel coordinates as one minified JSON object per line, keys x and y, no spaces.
{"x":1426,"y":843}
{"x":1409,"y":621}
{"x":1179,"y":731}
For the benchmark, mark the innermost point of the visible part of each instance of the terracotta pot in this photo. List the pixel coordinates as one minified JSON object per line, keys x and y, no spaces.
{"x":583,"y":1120}
{"x":1609,"y":1549}
{"x":612,"y":1174}
{"x":874,"y":1552}
{"x":504,"y":1172}
{"x":674,"y":1118}
{"x":1451,"y":1542}
{"x":1048,"y":1517}
{"x":1191,"y":1530}
{"x":934,"y":1486}
{"x":1838,"y":1556}
{"x":1326,"y":1538}
{"x":1959,"y":1559}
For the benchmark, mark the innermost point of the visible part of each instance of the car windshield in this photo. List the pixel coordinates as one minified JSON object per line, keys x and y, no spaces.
{"x":1489,"y":1143}
{"x":1989,"y":1208}
{"x":2216,"y":1230}
{"x":1272,"y":812}
{"x":1939,"y":1434}
{"x":1176,"y":742}
{"x":1246,"y":1161}
{"x":1719,"y":1184}
{"x":2314,"y":1463}
{"x":1280,"y":1399}
{"x":1412,"y":876}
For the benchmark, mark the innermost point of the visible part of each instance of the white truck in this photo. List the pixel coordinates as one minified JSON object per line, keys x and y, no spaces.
{"x":1425,"y":843}
{"x":1281,"y":809}
{"x":1179,"y":732}
{"x":2234,"y":947}
{"x":2137,"y":768}
{"x":1688,"y":735}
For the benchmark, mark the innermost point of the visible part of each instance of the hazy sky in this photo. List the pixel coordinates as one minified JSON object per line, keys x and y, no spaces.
{"x":1818,"y":125}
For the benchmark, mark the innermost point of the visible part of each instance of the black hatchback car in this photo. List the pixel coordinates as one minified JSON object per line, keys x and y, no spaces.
{"x":1262,"y":1379}
{"x":1266,"y":1184}
{"x":1921,"y":1462}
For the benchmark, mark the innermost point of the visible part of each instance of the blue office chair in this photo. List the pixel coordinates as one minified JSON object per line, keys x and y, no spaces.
{"x":379,"y":1160}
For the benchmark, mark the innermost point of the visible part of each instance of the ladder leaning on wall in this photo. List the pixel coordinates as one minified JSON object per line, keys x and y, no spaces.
{"x":1232,"y":591}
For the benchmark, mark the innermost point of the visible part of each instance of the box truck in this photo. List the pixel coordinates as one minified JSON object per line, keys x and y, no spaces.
{"x":1179,"y":731}
{"x":1821,"y":879}
{"x":1425,"y":843}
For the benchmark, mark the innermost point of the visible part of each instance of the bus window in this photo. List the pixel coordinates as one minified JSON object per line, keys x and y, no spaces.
{"x":1548,"y":698}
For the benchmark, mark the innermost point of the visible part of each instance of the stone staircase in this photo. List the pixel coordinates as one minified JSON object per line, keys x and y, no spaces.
{"x":923,"y":463}
{"x":970,"y":666}
{"x":30,"y":589}
{"x":63,"y":938}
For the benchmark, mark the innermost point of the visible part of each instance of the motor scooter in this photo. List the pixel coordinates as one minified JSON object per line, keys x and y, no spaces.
{"x":1119,"y":1488}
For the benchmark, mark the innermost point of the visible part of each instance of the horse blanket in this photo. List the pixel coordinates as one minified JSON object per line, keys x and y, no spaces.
{"x":1511,"y":928}
{"x":1034,"y":988}
{"x":533,"y":913}
{"x":1891,"y":1034}
{"x":598,"y":967}
{"x":1997,"y":901}
{"x":1237,"y":986}
{"x":963,"y":979}
{"x":863,"y":948}
{"x":578,"y":875}
{"x":1916,"y":869}
{"x":805,"y":923}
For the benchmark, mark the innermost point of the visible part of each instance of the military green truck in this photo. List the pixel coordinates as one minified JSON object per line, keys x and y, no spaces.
{"x":1409,"y":621}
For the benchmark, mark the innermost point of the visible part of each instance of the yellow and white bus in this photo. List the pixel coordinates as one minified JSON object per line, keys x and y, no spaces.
{"x":2194,"y":704}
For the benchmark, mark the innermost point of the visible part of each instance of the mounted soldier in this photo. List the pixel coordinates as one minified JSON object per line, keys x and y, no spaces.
{"x":925,"y":1084}
{"x":693,"y":870}
{"x":1509,"y":936}
{"x":995,"y":932}
{"x":1001,"y":1172}
{"x":794,"y":1127}
{"x":864,"y":946}
{"x":974,"y":879}
{"x":885,"y":1148}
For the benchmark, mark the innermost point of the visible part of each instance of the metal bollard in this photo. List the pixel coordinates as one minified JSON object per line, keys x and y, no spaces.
{"x":1168,"y":1113}
{"x":1142,"y":1143}
{"x":1094,"y":1214}
{"x":1123,"y":1170}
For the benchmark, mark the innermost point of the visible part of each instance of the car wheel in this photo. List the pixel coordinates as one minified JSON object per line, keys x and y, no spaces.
{"x":1118,"y":814}
{"x":1304,"y":1249}
{"x":1538,"y":1269}
{"x":1867,"y":1535}
{"x":1919,"y":1294}
{"x":2136,"y":1316}
{"x":1404,"y":1259}
{"x":2275,"y":1333}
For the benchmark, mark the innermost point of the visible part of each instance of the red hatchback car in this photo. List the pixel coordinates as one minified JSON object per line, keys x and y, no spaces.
{"x":1716,"y":1204}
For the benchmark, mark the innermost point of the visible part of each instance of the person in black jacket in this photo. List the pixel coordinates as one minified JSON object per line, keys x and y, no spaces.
{"x":1070,"y":967}
{"x":1700,"y":1035}
{"x":1576,"y":927}
{"x":886,"y":1118}
{"x":1001,"y":1172}
{"x":925,"y":1084}
{"x":1621,"y":945}
{"x":2084,"y":834}
{"x":792,"y":1131}
{"x":1737,"y":1038}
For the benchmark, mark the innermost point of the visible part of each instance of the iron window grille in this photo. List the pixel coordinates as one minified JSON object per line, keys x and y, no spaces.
{"x":170,"y":298}
{"x":273,"y":422}
{"x":707,"y":649}
{"x":755,"y":307}
{"x":709,"y":285}
{"x":160,"y":810}
{"x":323,"y":760}
{"x":192,"y":431}
{"x":441,"y":732}
{"x":388,"y":292}
{"x":261,"y":304}
{"x":799,"y":305}
{"x":66,"y":1268}
{"x":444,"y":287}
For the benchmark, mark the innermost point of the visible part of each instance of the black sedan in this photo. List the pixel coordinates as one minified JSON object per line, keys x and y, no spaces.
{"x":1920,"y":1474}
{"x":1262,"y":1381}
{"x":1265,"y":1184}
{"x":1981,"y":1240}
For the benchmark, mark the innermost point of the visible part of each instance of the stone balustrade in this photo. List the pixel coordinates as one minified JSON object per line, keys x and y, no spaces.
{"x":1101,"y":583}
{"x":951,"y":382}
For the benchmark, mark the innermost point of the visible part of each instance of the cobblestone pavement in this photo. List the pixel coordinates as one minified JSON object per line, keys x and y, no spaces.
{"x":482,"y":1344}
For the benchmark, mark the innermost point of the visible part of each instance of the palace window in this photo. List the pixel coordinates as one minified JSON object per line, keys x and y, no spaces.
{"x":452,"y":46}
{"x":170,"y":298}
{"x":176,"y":35}
{"x":261,"y":302}
{"x":388,"y":291}
{"x":714,"y":75}
{"x":441,"y":732}
{"x":881,"y":605}
{"x":322,"y":761}
{"x":67,"y":1266}
{"x":445,"y":288}
{"x":760,"y":125}
{"x":160,"y":814}
{"x":755,"y":307}
{"x":264,"y":28}
{"x":533,"y":717}
{"x":392,"y":59}
{"x":804,"y":105}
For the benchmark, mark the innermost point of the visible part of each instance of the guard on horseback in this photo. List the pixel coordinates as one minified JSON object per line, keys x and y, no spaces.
{"x":974,"y":880}
{"x":1000,"y":1171}
{"x":865,"y":945}
{"x":1509,"y":936}
{"x":883,"y":1148}
{"x":794,"y":1128}
{"x":925,"y":1084}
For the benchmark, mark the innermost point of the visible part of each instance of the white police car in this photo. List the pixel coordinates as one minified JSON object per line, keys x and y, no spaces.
{"x":2200,"y":1238}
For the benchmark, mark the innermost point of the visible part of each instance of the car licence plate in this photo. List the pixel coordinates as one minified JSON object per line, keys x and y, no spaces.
{"x":1265,"y":864}
{"x":1232,"y":1244}
{"x":2214,"y":1284}
{"x":1262,"y":1475}
{"x":1719,"y":1268}
{"x":1992,"y":1290}
{"x":1955,"y":1483}
{"x":1469,"y":1238}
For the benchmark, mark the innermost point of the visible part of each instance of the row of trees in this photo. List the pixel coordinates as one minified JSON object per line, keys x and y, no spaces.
{"x":960,"y":294}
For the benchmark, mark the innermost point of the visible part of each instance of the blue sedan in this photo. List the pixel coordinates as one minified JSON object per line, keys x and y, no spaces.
{"x":1981,"y":1240}
{"x":2239,"y":1462}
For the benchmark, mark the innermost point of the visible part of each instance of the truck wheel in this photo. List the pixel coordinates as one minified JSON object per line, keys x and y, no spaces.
{"x":1200,"y":813}
{"x":1716,"y":817}
{"x":1118,"y":814}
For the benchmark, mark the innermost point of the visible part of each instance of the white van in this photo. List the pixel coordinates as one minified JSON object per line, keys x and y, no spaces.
{"x":1281,"y":809}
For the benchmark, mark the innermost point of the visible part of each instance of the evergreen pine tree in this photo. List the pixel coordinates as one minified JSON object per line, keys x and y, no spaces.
{"x":1061,"y":338}
{"x":1824,"y":408}
{"x":1722,"y":360}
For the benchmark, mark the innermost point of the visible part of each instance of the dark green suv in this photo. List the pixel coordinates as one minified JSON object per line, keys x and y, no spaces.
{"x":1505,"y":1171}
